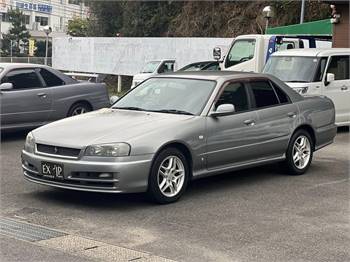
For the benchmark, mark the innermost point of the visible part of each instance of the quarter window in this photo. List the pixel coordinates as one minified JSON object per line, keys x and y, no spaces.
{"x":235,"y":94}
{"x":339,"y":66}
{"x":282,"y":97}
{"x":263,"y":94}
{"x":22,"y":79}
{"x":320,"y":70}
{"x":50,"y":78}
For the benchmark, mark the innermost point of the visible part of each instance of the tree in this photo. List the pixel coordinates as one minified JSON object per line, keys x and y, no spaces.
{"x":78,"y":27}
{"x":18,"y":34}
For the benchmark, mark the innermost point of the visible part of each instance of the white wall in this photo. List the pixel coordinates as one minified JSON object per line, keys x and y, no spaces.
{"x":127,"y":55}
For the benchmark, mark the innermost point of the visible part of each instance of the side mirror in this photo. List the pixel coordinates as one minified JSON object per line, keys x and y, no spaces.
{"x":113,"y":99}
{"x":224,"y":109}
{"x":217,"y":53}
{"x":329,"y":78}
{"x":6,"y":86}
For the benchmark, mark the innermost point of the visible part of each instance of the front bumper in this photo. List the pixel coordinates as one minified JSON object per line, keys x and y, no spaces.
{"x":129,"y":175}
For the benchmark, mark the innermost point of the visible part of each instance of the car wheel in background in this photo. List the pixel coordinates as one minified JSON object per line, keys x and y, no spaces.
{"x":169,"y":176}
{"x":299,"y":153}
{"x":78,"y":109}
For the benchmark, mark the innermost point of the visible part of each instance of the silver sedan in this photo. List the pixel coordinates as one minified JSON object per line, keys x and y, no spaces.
{"x":177,"y":127}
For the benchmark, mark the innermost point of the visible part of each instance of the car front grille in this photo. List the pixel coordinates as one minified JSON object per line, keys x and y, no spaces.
{"x":57,"y":151}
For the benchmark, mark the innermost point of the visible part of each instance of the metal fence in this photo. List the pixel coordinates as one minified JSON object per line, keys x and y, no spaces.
{"x":29,"y":59}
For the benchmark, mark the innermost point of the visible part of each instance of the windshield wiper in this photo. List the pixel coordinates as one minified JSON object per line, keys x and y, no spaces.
{"x":173,"y":111}
{"x":130,"y":108}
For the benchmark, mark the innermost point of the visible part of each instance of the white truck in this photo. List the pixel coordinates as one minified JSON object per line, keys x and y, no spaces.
{"x":153,"y":68}
{"x":251,"y":52}
{"x":316,"y":71}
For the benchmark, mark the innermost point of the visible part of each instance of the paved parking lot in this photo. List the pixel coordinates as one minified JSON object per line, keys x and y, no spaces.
{"x":258,"y":214}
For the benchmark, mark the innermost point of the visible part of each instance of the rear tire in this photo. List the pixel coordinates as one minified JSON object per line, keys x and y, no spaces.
{"x":78,"y":109}
{"x":169,"y":176}
{"x":299,"y":153}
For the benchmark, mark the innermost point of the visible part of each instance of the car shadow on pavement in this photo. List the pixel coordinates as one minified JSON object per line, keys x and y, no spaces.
{"x":7,"y":136}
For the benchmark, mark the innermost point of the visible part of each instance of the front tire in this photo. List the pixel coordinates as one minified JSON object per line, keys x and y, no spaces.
{"x":299,"y":153}
{"x":169,"y":176}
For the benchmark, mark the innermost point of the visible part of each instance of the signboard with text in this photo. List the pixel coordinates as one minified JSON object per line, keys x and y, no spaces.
{"x":44,"y":8}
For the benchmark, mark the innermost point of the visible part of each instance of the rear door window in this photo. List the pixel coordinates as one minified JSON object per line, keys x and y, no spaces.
{"x":263,"y":94}
{"x":23,"y":79}
{"x":50,"y":78}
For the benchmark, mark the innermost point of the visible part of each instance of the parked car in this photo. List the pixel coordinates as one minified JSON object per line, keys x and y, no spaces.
{"x":153,"y":68}
{"x":32,"y":95}
{"x":177,"y":127}
{"x":249,"y":53}
{"x":316,"y":72}
{"x":201,"y":66}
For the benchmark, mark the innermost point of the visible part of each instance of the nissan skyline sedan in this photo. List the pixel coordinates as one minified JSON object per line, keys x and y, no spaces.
{"x":177,"y":127}
{"x":32,"y":95}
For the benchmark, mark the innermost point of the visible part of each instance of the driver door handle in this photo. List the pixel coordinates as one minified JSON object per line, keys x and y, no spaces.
{"x":344,"y":88}
{"x":43,"y":95}
{"x":249,"y":122}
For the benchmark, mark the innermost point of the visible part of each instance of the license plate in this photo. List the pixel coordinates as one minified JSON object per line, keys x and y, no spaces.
{"x":52,"y":170}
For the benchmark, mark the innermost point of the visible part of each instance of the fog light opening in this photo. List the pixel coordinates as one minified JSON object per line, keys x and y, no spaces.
{"x":105,"y":175}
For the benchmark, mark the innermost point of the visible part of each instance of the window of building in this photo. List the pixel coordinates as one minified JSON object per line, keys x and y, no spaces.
{"x":74,"y":2}
{"x":235,"y":94}
{"x":5,"y":17}
{"x":26,"y":19}
{"x":263,"y":94}
{"x":42,"y":20}
{"x":50,"y":78}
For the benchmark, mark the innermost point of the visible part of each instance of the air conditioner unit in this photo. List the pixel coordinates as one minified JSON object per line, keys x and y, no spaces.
{"x":36,"y":26}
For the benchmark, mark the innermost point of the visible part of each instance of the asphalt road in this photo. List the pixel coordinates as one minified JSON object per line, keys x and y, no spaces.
{"x":258,"y":214}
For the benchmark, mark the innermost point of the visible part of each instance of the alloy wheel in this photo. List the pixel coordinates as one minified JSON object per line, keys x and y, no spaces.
{"x":171,"y":175}
{"x":301,"y":152}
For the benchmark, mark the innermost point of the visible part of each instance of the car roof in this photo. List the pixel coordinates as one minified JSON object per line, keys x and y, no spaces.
{"x":312,"y":52}
{"x":211,"y":75}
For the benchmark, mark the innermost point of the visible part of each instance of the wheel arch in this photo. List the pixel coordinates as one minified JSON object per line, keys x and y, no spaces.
{"x":181,"y":146}
{"x":310,"y":130}
{"x":81,"y":101}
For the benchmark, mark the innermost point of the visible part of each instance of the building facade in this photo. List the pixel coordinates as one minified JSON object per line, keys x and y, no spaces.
{"x":41,"y":13}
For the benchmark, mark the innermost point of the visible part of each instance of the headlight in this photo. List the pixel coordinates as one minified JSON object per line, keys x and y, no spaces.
{"x":109,"y":150}
{"x":302,"y":90}
{"x":30,"y":143}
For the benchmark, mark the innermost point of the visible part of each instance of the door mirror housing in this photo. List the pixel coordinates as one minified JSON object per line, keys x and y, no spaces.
{"x":217,"y":53}
{"x":329,"y":78}
{"x":224,"y":109}
{"x":6,"y":86}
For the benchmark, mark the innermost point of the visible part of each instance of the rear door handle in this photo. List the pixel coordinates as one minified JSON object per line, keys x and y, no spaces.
{"x":249,"y":122}
{"x":43,"y":95}
{"x":344,"y":88}
{"x":292,"y":114}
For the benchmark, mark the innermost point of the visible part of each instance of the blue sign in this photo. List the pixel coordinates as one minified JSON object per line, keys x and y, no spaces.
{"x":34,"y":7}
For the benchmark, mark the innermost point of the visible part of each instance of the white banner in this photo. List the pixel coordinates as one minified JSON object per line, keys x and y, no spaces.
{"x":127,"y":55}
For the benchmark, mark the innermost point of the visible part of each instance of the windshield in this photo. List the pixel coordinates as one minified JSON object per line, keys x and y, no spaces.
{"x":292,"y":68}
{"x":241,"y":51}
{"x":168,"y":95}
{"x":150,"y":67}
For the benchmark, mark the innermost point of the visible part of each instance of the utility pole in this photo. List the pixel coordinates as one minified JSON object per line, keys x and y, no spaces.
{"x":302,"y":12}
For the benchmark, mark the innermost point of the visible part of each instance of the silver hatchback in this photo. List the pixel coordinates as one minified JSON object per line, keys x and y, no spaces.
{"x":177,"y":127}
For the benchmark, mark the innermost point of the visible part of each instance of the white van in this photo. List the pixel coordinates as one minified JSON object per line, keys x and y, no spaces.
{"x":152,"y":68}
{"x":316,"y":71}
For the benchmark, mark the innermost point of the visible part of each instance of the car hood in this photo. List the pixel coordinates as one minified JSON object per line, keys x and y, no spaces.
{"x":104,"y":126}
{"x":297,"y":85}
